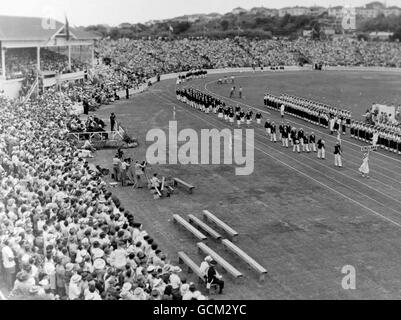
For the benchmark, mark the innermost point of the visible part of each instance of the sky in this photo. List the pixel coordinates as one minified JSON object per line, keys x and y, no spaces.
{"x":114,"y":12}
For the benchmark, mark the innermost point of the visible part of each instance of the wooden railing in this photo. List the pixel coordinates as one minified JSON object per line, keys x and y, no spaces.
{"x":31,"y":90}
{"x":97,"y":136}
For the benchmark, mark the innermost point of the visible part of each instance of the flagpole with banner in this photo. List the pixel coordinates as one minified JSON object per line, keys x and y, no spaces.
{"x":67,"y":29}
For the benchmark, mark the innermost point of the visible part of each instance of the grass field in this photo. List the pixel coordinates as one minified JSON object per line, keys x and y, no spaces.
{"x":299,"y":217}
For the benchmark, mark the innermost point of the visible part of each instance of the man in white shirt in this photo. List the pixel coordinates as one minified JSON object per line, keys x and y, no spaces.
{"x":282,"y":110}
{"x":124,"y":168}
{"x":204,"y":267}
{"x":8,"y":264}
{"x":116,"y":167}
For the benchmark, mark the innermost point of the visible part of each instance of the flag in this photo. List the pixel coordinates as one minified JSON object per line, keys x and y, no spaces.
{"x":171,"y":28}
{"x":67,"y":29}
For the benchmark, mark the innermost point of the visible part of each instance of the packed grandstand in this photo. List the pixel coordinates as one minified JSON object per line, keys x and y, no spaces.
{"x":65,"y":235}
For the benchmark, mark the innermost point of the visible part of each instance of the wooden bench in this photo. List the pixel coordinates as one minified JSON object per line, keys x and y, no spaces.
{"x":220,"y":261}
{"x":204,"y":227}
{"x":189,"y":227}
{"x":250,"y":261}
{"x":230,"y":231}
{"x":184,"y":184}
{"x":192,"y":266}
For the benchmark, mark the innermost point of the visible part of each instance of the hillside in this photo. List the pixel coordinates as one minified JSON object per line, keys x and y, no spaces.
{"x":257,"y":22}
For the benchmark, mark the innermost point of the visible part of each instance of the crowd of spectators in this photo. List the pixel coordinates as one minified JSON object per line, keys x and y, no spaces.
{"x":19,"y":62}
{"x":151,"y":57}
{"x":63,"y":235}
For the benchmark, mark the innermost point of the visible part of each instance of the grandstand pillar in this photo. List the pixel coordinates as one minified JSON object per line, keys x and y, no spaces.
{"x":3,"y":62}
{"x":38,"y":58}
{"x":93,"y":56}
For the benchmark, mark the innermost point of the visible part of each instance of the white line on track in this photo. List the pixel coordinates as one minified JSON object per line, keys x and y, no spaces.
{"x":2,"y":297}
{"x":304,"y":174}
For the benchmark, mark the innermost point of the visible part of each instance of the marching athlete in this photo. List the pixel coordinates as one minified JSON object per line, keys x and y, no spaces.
{"x":267,"y":127}
{"x":301,"y":136}
{"x":285,"y":134}
{"x":364,"y":168}
{"x":280,"y":131}
{"x":238,"y":120}
{"x":220,"y":112}
{"x":273,"y":134}
{"x":321,"y":149}
{"x":312,"y":142}
{"x":231,"y":116}
{"x":258,"y":117}
{"x":305,"y":146}
{"x":242,"y":115}
{"x":295,"y":141}
{"x":232,"y":91}
{"x":248,"y":118}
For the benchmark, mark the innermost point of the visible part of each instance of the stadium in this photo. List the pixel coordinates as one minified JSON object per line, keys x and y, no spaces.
{"x":87,"y":212}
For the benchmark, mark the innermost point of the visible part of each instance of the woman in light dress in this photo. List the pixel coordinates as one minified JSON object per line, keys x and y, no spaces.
{"x":364,"y":168}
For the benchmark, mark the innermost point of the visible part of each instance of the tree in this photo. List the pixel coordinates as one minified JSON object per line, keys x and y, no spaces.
{"x":224,"y":25}
{"x":397,"y":35}
{"x":316,"y":31}
{"x":181,"y":27}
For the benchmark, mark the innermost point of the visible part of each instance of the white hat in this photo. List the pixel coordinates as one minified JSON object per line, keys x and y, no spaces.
{"x":126,"y":287}
{"x":157,"y":282}
{"x":98,"y":254}
{"x":44,"y":282}
{"x":150,"y":268}
{"x":138,"y":291}
{"x":76,"y":278}
{"x":99,"y":264}
{"x":175,"y":269}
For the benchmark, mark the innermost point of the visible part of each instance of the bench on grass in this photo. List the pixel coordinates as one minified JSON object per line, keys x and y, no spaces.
{"x":183,"y":184}
{"x":189,"y":227}
{"x":220,"y":261}
{"x":192,"y":266}
{"x":204,"y":227}
{"x":230,"y":231}
{"x":250,"y":261}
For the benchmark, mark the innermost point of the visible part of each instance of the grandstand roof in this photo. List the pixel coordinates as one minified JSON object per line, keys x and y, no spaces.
{"x":31,"y":28}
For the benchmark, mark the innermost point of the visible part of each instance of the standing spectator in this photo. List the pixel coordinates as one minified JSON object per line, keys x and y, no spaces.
{"x":74,"y":291}
{"x":112,"y":121}
{"x":116,"y":167}
{"x":213,"y":277}
{"x":8,"y":264}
